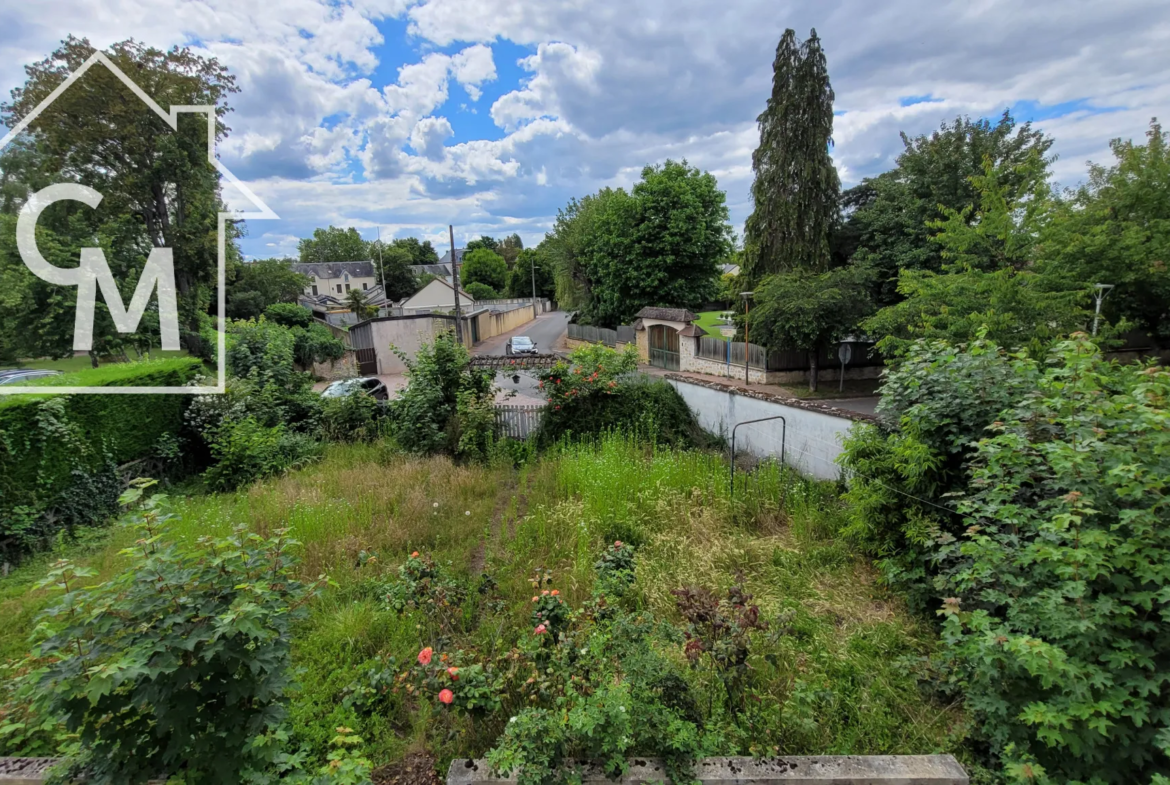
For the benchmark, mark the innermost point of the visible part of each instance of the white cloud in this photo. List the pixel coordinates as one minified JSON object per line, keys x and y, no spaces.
{"x":428,"y":137}
{"x":611,"y":85}
{"x":472,"y":67}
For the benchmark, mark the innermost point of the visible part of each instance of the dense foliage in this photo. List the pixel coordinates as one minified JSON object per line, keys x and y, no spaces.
{"x":59,"y":454}
{"x":809,"y":311}
{"x":660,"y":244}
{"x":1048,"y":565}
{"x":256,"y":286}
{"x":180,"y":664}
{"x":890,"y":218}
{"x":481,"y":291}
{"x":597,"y":391}
{"x":437,"y":412}
{"x":159,"y":190}
{"x":481,"y":265}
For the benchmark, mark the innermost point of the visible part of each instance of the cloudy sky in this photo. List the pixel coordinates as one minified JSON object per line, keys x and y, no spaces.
{"x":490,"y":114}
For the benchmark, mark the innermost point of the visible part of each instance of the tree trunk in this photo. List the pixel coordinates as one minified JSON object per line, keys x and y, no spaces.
{"x":93,"y":358}
{"x":814,"y":357}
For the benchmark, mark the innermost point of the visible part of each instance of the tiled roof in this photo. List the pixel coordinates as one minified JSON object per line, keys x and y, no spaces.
{"x":458,"y":256}
{"x":667,"y":314}
{"x":441,"y":270}
{"x":335,"y":269}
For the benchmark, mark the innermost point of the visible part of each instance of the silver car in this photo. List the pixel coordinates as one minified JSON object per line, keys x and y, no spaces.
{"x":520,"y":345}
{"x":370,"y":385}
{"x":18,"y":376}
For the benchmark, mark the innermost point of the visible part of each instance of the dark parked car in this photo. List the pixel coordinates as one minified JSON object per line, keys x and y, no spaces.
{"x":30,"y":374}
{"x":370,"y":385}
{"x":520,"y":345}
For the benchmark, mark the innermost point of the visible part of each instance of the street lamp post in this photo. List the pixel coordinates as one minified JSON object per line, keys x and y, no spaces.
{"x":1102,"y":291}
{"x":747,"y":344}
{"x":533,"y":255}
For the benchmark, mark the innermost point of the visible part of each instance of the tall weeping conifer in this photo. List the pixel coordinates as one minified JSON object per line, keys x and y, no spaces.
{"x":796,"y":189}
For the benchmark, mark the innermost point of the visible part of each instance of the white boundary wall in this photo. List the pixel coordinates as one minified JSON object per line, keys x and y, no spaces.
{"x":814,"y":431}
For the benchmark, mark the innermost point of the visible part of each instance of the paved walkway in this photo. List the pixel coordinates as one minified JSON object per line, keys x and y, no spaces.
{"x":546,"y":331}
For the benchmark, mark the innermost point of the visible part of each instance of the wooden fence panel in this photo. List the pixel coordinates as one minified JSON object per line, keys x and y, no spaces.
{"x":518,"y":422}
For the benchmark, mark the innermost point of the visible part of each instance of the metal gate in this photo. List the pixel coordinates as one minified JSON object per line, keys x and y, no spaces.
{"x":367,"y":361}
{"x":664,"y":347}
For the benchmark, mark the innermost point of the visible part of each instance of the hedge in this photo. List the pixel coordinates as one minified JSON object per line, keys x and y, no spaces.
{"x":55,"y":445}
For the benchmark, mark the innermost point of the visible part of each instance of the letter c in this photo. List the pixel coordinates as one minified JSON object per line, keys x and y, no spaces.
{"x":26,"y":231}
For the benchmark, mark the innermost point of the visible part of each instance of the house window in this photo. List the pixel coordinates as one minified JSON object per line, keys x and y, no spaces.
{"x":339,"y":288}
{"x":347,"y":276}
{"x":347,"y":287}
{"x":365,"y":287}
{"x":314,"y":291}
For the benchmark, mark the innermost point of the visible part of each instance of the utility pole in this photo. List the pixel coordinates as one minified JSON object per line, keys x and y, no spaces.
{"x":382,"y":267}
{"x":533,"y":284}
{"x":455,"y":286}
{"x":1102,"y":291}
{"x":747,"y":345}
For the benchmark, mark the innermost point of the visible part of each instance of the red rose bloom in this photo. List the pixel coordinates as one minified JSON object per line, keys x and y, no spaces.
{"x":446,"y":696}
{"x":453,"y":673}
{"x":424,"y":656}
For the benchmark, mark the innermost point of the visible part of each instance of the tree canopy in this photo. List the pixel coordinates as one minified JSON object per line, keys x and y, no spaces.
{"x":159,"y":189}
{"x":334,"y":245}
{"x":796,"y":188}
{"x":660,"y":244}
{"x":481,"y":265}
{"x":891,"y":217}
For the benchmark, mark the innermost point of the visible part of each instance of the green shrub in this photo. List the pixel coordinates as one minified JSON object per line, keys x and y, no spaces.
{"x":57,"y":452}
{"x":937,"y":402}
{"x":1058,"y":585}
{"x":289,"y":314}
{"x":595,"y":392}
{"x":179,"y":664}
{"x":481,"y":291}
{"x":245,"y":451}
{"x":426,"y":414}
{"x":350,"y":418}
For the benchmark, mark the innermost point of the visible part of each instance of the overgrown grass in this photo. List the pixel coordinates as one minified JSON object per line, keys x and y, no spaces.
{"x":839,"y":658}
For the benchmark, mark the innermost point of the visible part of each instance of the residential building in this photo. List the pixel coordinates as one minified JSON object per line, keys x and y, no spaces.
{"x":438,"y":296}
{"x":337,"y":279}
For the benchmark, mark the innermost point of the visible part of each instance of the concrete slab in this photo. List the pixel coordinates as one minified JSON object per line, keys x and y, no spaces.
{"x":790,"y":770}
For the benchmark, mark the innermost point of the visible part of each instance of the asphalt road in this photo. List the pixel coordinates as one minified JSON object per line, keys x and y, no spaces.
{"x":544,"y":331}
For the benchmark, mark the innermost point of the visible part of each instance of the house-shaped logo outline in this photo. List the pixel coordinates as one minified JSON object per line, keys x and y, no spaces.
{"x":262,"y":212}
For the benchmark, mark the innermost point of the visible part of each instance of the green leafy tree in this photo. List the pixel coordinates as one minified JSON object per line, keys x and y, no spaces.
{"x":1052,"y":616}
{"x":334,"y":245}
{"x":510,"y":248}
{"x":660,"y":244}
{"x":796,"y":187}
{"x":260,"y":284}
{"x":156,"y":180}
{"x":179,"y":665}
{"x":393,"y":263}
{"x":484,"y":241}
{"x":482,"y":265}
{"x":480,"y":291}
{"x":421,"y":252}
{"x":1116,"y":230}
{"x":532,"y":263}
{"x":892,"y":217}
{"x":990,"y":283}
{"x":569,"y":246}
{"x":809,"y":311}
{"x":360,"y":304}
